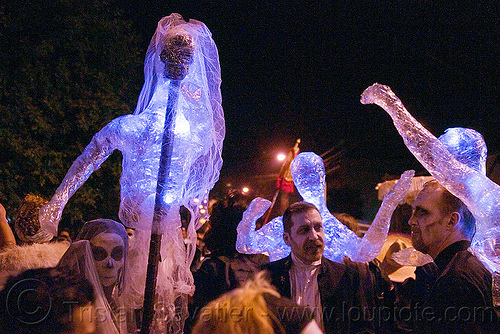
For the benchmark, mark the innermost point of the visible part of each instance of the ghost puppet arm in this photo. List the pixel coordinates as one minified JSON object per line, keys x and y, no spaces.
{"x":248,"y":241}
{"x":268,"y":239}
{"x":464,"y":182}
{"x":423,"y":144}
{"x":374,"y":238}
{"x":418,"y":139}
{"x":96,"y":152}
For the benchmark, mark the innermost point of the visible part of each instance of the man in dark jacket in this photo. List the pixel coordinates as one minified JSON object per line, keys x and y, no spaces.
{"x":453,"y":293}
{"x":329,"y":289}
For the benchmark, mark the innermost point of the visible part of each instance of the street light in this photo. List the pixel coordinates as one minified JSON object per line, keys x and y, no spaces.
{"x":245,"y":190}
{"x":281,"y":157}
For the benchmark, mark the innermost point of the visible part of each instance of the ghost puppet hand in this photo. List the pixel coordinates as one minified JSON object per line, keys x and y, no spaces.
{"x":380,"y":95}
{"x":246,"y":240}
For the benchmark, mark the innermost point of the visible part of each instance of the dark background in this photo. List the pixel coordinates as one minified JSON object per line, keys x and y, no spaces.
{"x":296,"y":69}
{"x":290,"y":69}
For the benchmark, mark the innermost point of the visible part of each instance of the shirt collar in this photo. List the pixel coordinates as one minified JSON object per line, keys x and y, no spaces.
{"x":299,"y":263}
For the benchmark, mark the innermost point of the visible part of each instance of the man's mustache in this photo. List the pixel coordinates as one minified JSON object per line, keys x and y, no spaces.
{"x":314,"y":244}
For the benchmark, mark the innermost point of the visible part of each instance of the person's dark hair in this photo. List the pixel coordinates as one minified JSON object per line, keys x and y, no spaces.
{"x":451,"y":203}
{"x":42,"y":301}
{"x":224,"y":220}
{"x":294,"y":209}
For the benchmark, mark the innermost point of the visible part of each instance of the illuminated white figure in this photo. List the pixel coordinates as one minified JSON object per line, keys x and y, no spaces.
{"x":447,"y":160}
{"x":197,"y":133}
{"x":308,"y":172}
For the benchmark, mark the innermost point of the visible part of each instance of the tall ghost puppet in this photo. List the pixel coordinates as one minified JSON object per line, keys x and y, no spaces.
{"x":178,"y":48}
{"x":308,"y":172}
{"x":457,"y":160}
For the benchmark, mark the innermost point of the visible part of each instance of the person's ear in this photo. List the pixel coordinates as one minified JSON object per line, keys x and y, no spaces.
{"x":286,"y":237}
{"x":453,"y":221}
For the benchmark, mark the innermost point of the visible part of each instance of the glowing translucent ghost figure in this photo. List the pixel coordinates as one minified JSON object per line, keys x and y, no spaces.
{"x":308,"y":173}
{"x":198,"y":132}
{"x":464,"y":177}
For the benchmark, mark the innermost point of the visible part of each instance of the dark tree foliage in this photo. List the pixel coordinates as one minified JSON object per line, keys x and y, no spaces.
{"x":67,"y":67}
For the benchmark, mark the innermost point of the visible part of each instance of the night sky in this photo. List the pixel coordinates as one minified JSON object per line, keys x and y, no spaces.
{"x":296,"y":69}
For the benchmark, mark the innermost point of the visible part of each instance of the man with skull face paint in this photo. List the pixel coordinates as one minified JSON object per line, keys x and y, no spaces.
{"x":182,"y":72}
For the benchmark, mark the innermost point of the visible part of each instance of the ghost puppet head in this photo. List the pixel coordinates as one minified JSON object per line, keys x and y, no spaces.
{"x":177,"y":54}
{"x":467,"y":146}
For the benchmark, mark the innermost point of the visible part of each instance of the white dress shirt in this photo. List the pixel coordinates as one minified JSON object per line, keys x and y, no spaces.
{"x":304,"y":286}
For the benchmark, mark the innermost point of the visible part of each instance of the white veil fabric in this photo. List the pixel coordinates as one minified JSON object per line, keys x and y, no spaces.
{"x":199,"y":105}
{"x":199,"y":131}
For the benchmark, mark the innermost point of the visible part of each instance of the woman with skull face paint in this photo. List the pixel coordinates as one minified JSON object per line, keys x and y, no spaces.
{"x":100,"y":253}
{"x":109,"y":244}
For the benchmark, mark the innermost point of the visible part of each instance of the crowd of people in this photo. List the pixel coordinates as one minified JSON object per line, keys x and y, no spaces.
{"x":82,"y":288}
